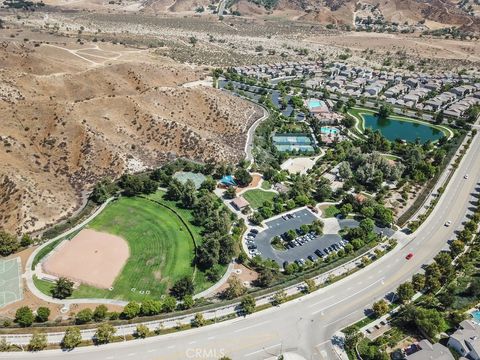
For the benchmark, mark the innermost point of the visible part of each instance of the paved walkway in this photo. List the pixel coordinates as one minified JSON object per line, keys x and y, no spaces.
{"x":213,"y":289}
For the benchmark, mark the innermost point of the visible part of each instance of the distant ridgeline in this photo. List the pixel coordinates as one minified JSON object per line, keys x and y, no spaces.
{"x":22,"y":4}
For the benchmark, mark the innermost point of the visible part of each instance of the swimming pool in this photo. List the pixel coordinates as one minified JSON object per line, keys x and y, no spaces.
{"x":314,"y":103}
{"x":328,"y":130}
{"x":476,"y":316}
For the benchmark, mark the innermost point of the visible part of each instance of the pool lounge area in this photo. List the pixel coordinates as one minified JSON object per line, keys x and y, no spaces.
{"x":476,"y":316}
{"x":316,"y":106}
{"x":329,"y":130}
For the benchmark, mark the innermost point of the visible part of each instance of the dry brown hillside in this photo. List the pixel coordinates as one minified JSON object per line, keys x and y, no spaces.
{"x":72,"y":114}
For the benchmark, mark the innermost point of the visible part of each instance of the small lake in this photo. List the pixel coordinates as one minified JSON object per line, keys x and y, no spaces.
{"x":393,"y":129}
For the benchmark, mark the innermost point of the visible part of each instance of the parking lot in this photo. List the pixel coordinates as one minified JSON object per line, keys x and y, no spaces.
{"x":279,"y":226}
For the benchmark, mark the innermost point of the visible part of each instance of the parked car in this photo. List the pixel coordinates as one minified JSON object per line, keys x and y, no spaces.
{"x":254,"y":231}
{"x":310,"y":257}
{"x":409,"y":256}
{"x":448,"y":223}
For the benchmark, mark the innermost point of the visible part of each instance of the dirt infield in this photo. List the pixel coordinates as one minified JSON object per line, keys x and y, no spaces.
{"x":92,"y":258}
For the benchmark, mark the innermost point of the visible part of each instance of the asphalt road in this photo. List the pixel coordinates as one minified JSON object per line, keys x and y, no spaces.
{"x":305,"y":326}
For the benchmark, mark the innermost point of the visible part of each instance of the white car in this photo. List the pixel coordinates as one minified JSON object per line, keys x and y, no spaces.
{"x":466,"y":176}
{"x":448,"y":223}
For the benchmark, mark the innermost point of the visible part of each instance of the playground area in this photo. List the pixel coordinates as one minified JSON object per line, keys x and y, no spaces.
{"x":10,"y":281}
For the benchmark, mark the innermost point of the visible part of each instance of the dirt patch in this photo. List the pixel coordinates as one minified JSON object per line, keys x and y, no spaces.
{"x":256,"y":178}
{"x":245,"y":275}
{"x":91,"y":257}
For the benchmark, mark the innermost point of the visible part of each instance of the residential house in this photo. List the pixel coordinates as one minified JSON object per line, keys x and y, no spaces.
{"x":466,"y":340}
{"x":430,"y":351}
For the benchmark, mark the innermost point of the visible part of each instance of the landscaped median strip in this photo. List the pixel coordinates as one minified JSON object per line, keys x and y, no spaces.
{"x":210,"y":316}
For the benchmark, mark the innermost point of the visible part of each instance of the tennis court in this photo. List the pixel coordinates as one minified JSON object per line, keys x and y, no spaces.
{"x":183,"y":176}
{"x":10,"y":281}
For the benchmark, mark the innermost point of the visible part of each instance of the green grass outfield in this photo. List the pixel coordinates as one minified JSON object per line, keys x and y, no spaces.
{"x":257,"y":197}
{"x":161,"y":248}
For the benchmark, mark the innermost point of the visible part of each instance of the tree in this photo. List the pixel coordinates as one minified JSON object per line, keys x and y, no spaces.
{"x":279,"y":298}
{"x":104,"y":334}
{"x":265,"y":278}
{"x":429,"y":321}
{"x":63,"y":288}
{"x":248,"y":304}
{"x":84,"y":316}
{"x":418,"y":282}
{"x":385,"y":111}
{"x":456,"y":247}
{"x":150,"y":307}
{"x":174,"y":190}
{"x":100,"y":313}
{"x":310,"y":285}
{"x":230,"y":193}
{"x":24,"y":316}
{"x":189,"y":197}
{"x":209,"y":184}
{"x":8,"y":243}
{"x":405,"y":292}
{"x":182,"y":287}
{"x":346,"y":209}
{"x":131,"y":310}
{"x":169,"y":304}
{"x":344,"y":170}
{"x":38,"y":342}
{"x":42,"y":314}
{"x":198,"y":320}
{"x":242,"y":177}
{"x":188,"y":302}
{"x":235,"y":288}
{"x":380,"y":308}
{"x":142,"y":331}
{"x":367,"y":225}
{"x":26,"y":240}
{"x":72,"y":338}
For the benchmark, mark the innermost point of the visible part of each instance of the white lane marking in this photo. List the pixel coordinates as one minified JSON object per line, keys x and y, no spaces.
{"x":342,"y":318}
{"x":211,"y":338}
{"x":192,"y":342}
{"x":252,"y":326}
{"x":110,"y":357}
{"x":324,"y":342}
{"x":131,"y":354}
{"x":348,"y":297}
{"x":319,"y":302}
{"x":170,"y":347}
{"x":151,"y":350}
{"x":263,"y":349}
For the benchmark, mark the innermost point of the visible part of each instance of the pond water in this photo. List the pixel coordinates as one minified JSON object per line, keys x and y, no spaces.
{"x":393,"y":129}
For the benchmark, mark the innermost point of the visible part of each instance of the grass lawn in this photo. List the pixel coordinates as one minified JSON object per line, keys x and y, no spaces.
{"x":331,"y":211}
{"x":44,"y":251}
{"x":257,"y":197}
{"x":266,"y":185}
{"x":161,"y":248}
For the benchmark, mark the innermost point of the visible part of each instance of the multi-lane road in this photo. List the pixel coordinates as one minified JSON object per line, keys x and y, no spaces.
{"x":306,"y":325}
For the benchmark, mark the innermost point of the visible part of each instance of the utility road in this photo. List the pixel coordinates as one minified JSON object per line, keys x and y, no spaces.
{"x":305,"y":326}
